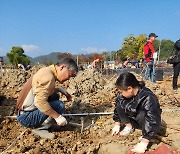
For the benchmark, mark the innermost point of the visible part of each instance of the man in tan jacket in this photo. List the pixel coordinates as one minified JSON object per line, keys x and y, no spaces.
{"x":38,"y":101}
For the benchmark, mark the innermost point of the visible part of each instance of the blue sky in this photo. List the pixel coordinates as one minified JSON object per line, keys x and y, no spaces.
{"x":83,"y":26}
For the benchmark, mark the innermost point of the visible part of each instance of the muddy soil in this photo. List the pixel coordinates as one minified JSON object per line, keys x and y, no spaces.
{"x":91,"y":92}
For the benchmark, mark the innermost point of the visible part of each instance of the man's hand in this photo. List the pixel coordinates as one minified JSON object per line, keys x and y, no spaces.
{"x":61,"y":121}
{"x":150,"y":63}
{"x":140,"y":147}
{"x":116,"y":129}
{"x":68,"y":96}
{"x":64,"y":92}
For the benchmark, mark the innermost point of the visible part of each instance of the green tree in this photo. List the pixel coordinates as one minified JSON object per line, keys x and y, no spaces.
{"x":156,"y":45}
{"x":107,"y":55}
{"x":129,"y":46}
{"x":140,"y":41}
{"x":110,"y":55}
{"x":133,"y":46}
{"x":65,"y":54}
{"x":167,"y":47}
{"x":113,"y":55}
{"x":121,"y":56}
{"x":16,"y":56}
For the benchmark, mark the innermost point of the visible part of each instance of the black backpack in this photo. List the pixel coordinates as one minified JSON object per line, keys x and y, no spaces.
{"x":173,"y":59}
{"x":148,"y":55}
{"x":177,"y":45}
{"x":176,"y":57}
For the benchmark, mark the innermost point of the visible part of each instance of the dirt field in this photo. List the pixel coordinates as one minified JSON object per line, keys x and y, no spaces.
{"x":91,"y":92}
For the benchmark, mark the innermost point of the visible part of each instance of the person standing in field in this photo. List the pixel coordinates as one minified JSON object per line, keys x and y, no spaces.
{"x":176,"y":65}
{"x":148,"y":57}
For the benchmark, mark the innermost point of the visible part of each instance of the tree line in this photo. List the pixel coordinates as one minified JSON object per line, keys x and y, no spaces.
{"x":132,"y":48}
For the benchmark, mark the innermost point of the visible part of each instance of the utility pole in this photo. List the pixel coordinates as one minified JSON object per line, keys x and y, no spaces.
{"x":159,"y":50}
{"x":77,"y":59}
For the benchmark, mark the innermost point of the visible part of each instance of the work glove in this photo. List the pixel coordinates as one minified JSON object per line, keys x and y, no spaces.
{"x":140,"y":147}
{"x":115,"y":130}
{"x":126,"y":131}
{"x":61,"y":121}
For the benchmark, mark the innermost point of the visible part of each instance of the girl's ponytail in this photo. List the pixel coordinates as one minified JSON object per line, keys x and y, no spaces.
{"x":141,"y":83}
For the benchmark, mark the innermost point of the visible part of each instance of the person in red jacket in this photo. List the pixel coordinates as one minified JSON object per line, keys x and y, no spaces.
{"x":148,"y":57}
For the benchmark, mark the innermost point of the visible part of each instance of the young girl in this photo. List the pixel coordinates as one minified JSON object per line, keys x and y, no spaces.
{"x":136,"y":107}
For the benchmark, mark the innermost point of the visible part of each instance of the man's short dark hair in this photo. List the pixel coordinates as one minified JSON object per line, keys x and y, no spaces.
{"x":152,"y":35}
{"x":69,"y":62}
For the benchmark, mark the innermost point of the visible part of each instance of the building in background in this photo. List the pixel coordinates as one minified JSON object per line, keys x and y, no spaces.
{"x":109,"y":64}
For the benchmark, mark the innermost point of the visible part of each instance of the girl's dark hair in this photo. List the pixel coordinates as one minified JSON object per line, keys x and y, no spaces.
{"x":128,"y":79}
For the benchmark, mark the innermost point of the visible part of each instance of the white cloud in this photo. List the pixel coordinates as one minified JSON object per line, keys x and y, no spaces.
{"x":30,"y":48}
{"x":92,"y":50}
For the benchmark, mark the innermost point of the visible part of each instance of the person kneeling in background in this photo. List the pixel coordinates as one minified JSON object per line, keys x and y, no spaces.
{"x":136,"y":107}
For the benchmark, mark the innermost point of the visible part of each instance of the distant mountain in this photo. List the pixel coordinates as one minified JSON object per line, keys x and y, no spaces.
{"x":50,"y":58}
{"x":45,"y":59}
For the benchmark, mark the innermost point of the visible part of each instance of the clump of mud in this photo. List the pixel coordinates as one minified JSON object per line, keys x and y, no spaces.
{"x":12,"y":80}
{"x":90,"y":88}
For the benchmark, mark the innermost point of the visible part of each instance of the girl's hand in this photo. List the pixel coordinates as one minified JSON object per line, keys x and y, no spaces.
{"x":140,"y":147}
